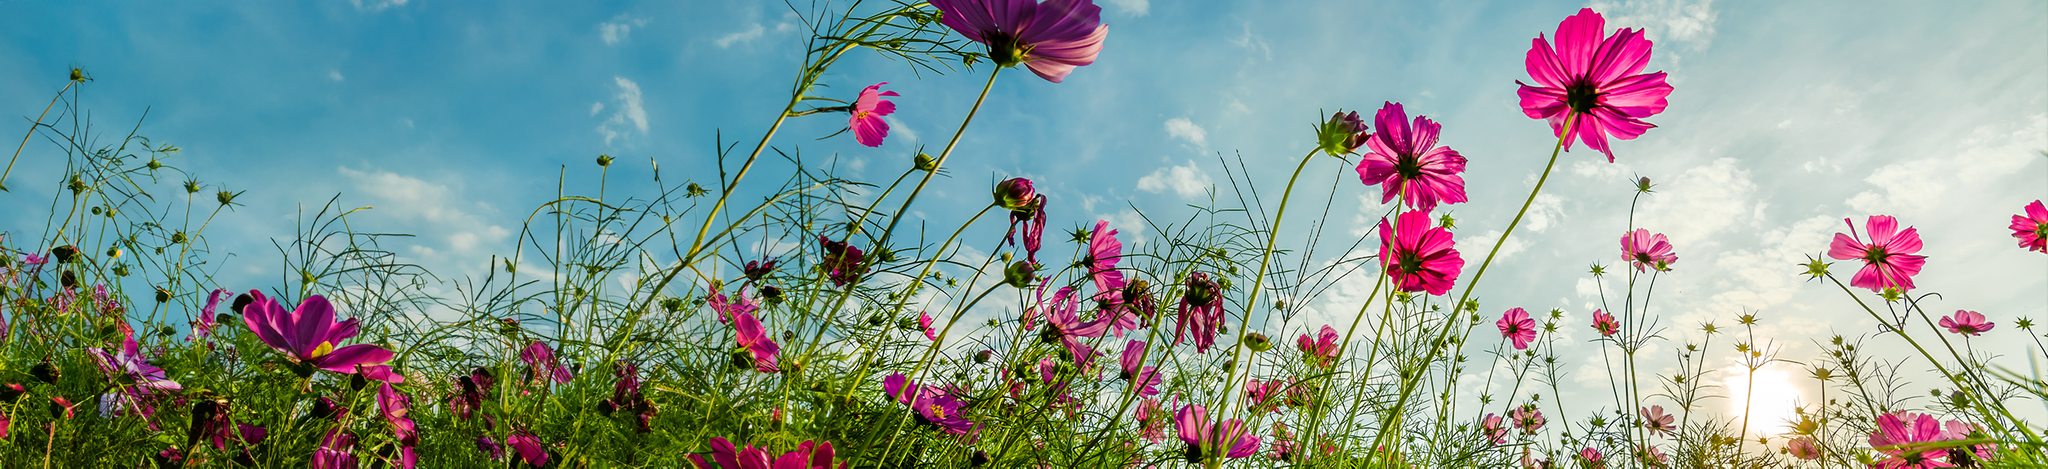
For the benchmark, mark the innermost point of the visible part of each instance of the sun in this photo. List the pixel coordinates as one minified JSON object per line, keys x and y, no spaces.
{"x":1771,"y":405}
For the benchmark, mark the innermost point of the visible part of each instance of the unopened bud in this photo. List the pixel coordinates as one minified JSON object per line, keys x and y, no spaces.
{"x":925,"y":163}
{"x":1020,"y":274}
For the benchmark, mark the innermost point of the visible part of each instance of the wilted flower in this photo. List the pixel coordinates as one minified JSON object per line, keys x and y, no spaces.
{"x":1405,"y":162}
{"x":310,"y":336}
{"x":1646,"y":251}
{"x":1420,"y":257}
{"x":1027,"y":212}
{"x":206,"y":322}
{"x":471,"y":390}
{"x":866,"y":122}
{"x":1597,"y":80}
{"x":842,"y":262}
{"x":2032,"y":229}
{"x":1516,"y":325}
{"x":1050,"y":38}
{"x":1967,"y":323}
{"x":1201,"y":312}
{"x":924,"y":322}
{"x":1888,"y":260}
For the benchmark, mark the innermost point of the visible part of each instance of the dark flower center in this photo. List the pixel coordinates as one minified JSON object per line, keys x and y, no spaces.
{"x":1194,"y":454}
{"x":1005,"y":50}
{"x":1875,"y":255}
{"x":1409,"y":263}
{"x":1409,"y":167}
{"x":1581,"y":97}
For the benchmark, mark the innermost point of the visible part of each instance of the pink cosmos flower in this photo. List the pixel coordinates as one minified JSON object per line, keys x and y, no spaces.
{"x":1064,"y":324}
{"x":1204,"y":439}
{"x":529,"y":447}
{"x":1144,"y":379}
{"x":1960,"y":430}
{"x":395,"y":408}
{"x":1421,"y":256}
{"x":309,"y":336}
{"x":1027,"y":212}
{"x":336,"y":451}
{"x":929,"y":405}
{"x":726,"y":307}
{"x":1527,"y":418}
{"x":1605,"y":323}
{"x":1656,"y":420}
{"x":1652,"y":456}
{"x":842,"y":262}
{"x":1647,"y":251}
{"x":205,"y":323}
{"x":867,"y":124}
{"x":1516,"y":325}
{"x":1321,"y":351}
{"x":1490,"y":426}
{"x":1258,"y":393}
{"x":1598,"y":80}
{"x":138,"y":382}
{"x":1888,"y":260}
{"x":806,"y":456}
{"x":1201,"y":312}
{"x":542,"y":364}
{"x":1967,"y":323}
{"x":1104,"y":251}
{"x":751,"y":336}
{"x":1405,"y":160}
{"x":1152,"y":419}
{"x":1803,"y":448}
{"x":2032,"y":228}
{"x":924,"y":321}
{"x":1903,"y":436}
{"x":1592,"y":457}
{"x":1051,"y":38}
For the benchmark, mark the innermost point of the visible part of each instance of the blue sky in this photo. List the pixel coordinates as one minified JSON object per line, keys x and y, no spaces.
{"x":454,"y":119}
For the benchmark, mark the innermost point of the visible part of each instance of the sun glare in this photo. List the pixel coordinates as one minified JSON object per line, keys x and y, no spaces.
{"x":1770,"y":404}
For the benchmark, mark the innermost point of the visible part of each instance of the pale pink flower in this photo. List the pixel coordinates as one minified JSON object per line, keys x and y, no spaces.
{"x":1888,"y":260}
{"x":1405,"y":161}
{"x":1527,"y":418}
{"x":1647,"y":251}
{"x":1803,"y":448}
{"x":1492,"y":429}
{"x":1605,"y":323}
{"x":1967,"y":323}
{"x":1656,"y":420}
{"x":1516,"y":325}
{"x":2032,"y":228}
{"x":1420,"y":256}
{"x":867,"y":124}
{"x":1599,"y":80}
{"x":1051,"y":38}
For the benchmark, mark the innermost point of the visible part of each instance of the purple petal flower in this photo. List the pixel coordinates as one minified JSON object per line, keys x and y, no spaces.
{"x":542,"y":362}
{"x":309,"y":335}
{"x":1051,"y":38}
{"x":867,"y":124}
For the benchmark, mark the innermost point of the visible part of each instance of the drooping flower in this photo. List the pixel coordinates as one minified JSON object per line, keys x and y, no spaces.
{"x":1027,"y":212}
{"x":1051,"y":38}
{"x":1888,"y":259}
{"x":204,"y":325}
{"x":396,"y":410}
{"x":626,"y":396}
{"x":1321,"y":351}
{"x":1205,"y":440}
{"x":1656,"y":420}
{"x":1605,"y":323}
{"x":1803,"y":448}
{"x":1144,"y":379}
{"x":866,"y":122}
{"x":842,"y":262}
{"x":1516,"y":325}
{"x":309,"y":336}
{"x":924,"y":322}
{"x":1967,"y":323}
{"x":528,"y":446}
{"x":1646,"y":251}
{"x":2032,"y":229}
{"x":1527,"y":418}
{"x":471,"y":390}
{"x":542,"y":364}
{"x":806,"y":456}
{"x":1491,"y":428}
{"x":759,"y":269}
{"x":1420,"y":256}
{"x":726,"y":307}
{"x":1598,"y":80}
{"x":754,"y":338}
{"x":1405,"y":162}
{"x":1903,"y":438}
{"x":1201,"y":312}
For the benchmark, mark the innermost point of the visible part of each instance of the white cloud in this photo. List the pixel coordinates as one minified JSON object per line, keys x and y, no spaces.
{"x":334,"y":75}
{"x":900,"y":132}
{"x":1473,"y":249}
{"x":1182,"y":128}
{"x":753,"y":31}
{"x":1544,"y":211}
{"x":1914,"y":187}
{"x":1699,"y":203}
{"x":1189,"y":181}
{"x":1132,"y":7}
{"x":377,"y":5}
{"x":595,"y":107}
{"x":630,"y":111}
{"x":1254,"y":42}
{"x":1677,"y":20}
{"x":407,"y":122}
{"x":619,"y":28}
{"x":421,"y":204}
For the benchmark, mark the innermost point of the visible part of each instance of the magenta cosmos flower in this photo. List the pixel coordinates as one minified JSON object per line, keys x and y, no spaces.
{"x":1051,"y":38}
{"x":1903,"y":438}
{"x":1600,"y":80}
{"x":137,"y":380}
{"x":1321,"y":351}
{"x":542,"y":364}
{"x":1143,"y":379}
{"x":748,"y":332}
{"x":396,"y":409}
{"x":1405,"y":161}
{"x":1104,"y":252}
{"x":1967,"y":323}
{"x":867,"y":124}
{"x":842,"y":262}
{"x":806,"y":456}
{"x":1490,"y":427}
{"x":1888,"y":260}
{"x":1205,"y":440}
{"x":2032,"y":229}
{"x":1647,"y":251}
{"x":1516,"y":325}
{"x":529,"y":447}
{"x":1419,"y":256}
{"x":309,"y":336}
{"x":1027,"y":211}
{"x":930,"y":405}
{"x":1201,"y":312}
{"x":1605,"y":323}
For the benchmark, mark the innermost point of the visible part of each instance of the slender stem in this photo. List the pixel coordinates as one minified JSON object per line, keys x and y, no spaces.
{"x":1252,"y":297}
{"x":31,"y":133}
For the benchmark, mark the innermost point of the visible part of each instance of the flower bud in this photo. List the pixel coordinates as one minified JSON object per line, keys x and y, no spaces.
{"x":924,"y":162}
{"x":1020,"y":274}
{"x":1257,"y":342}
{"x":1643,"y":184}
{"x":983,"y":356}
{"x":604,"y":160}
{"x":1342,"y":134}
{"x":1017,"y":194}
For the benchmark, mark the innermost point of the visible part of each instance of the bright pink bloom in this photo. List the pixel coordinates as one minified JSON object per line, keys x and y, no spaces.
{"x":806,"y":456}
{"x":751,"y":336}
{"x":308,"y":335}
{"x":1888,"y":260}
{"x":138,"y":382}
{"x":1605,"y":323}
{"x":1517,"y":326}
{"x":1960,"y":430}
{"x":1527,"y":418}
{"x":1201,"y":312}
{"x":1896,"y":431}
{"x":1145,"y":379}
{"x":867,"y":124}
{"x":1592,"y":457}
{"x":1104,"y":251}
{"x":1421,"y":256}
{"x":1205,"y":439}
{"x":924,"y":321}
{"x":395,"y":408}
{"x":1647,"y":251}
{"x":726,"y":307}
{"x":843,"y":262}
{"x":1064,"y":324}
{"x":541,"y":362}
{"x":204,"y":325}
{"x":1321,"y":351}
{"x":1803,"y":448}
{"x":1152,"y":419}
{"x":529,"y":447}
{"x":1656,"y":420}
{"x":1596,"y":79}
{"x":929,"y":404}
{"x":2032,"y":229}
{"x":1051,"y":38}
{"x":1405,"y":160}
{"x":1967,"y":323}
{"x":1491,"y":427}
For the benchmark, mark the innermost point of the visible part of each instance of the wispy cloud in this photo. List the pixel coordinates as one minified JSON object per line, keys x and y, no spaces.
{"x":1132,"y":7}
{"x":1182,"y":128}
{"x":335,"y":75}
{"x":1188,"y":181}
{"x":631,"y":111}
{"x":619,"y":28}
{"x":376,"y":5}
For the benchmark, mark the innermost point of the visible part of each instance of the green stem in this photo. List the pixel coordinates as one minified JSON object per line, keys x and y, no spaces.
{"x":1252,"y":298}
